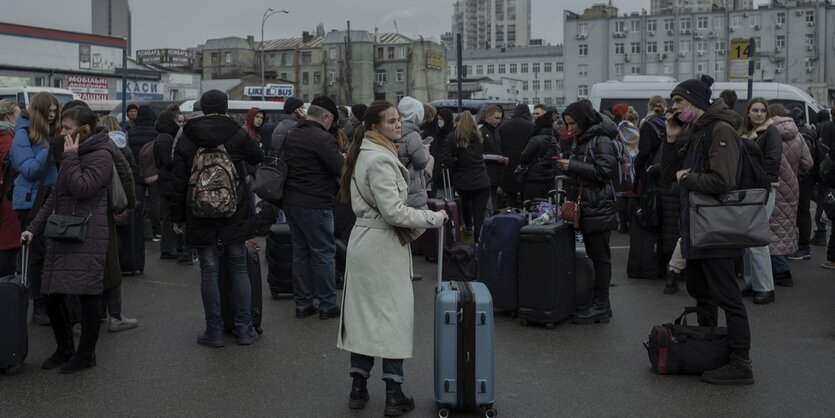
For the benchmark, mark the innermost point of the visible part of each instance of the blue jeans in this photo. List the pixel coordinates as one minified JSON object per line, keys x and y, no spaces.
{"x":314,"y":256}
{"x":756,"y":262}
{"x":235,"y":257}
{"x":780,"y":263}
{"x":392,"y":368}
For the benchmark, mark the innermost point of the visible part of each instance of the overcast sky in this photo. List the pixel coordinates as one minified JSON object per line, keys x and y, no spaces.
{"x":183,"y":24}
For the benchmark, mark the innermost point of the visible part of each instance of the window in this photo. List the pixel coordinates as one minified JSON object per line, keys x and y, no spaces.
{"x":331,"y":77}
{"x":271,"y":59}
{"x":584,"y":50}
{"x":283,"y":58}
{"x":305,"y":78}
{"x":381,"y":76}
{"x":536,"y":85}
{"x":619,"y":69}
{"x":702,"y":23}
{"x":652,"y":25}
{"x":701,"y":46}
{"x":317,"y":78}
{"x":684,"y":46}
{"x":669,"y":68}
{"x":479,"y":69}
{"x":810,"y":41}
{"x":701,"y":67}
{"x":547,"y":67}
{"x":390,"y":54}
{"x":685,"y":23}
{"x":332,"y":53}
{"x":284,"y":76}
{"x":669,"y":24}
{"x":719,"y":68}
{"x":549,"y":100}
{"x":468,"y":70}
{"x":684,"y":68}
{"x":780,"y":67}
{"x":400,"y":96}
{"x":619,"y":49}
{"x":583,"y":90}
{"x":636,"y":69}
{"x":491,"y":69}
{"x":380,"y":53}
{"x":619,"y":26}
{"x":535,"y":67}
{"x":582,"y":29}
{"x":227,"y":57}
{"x":669,"y":46}
{"x":635,"y":47}
{"x":513,"y":68}
{"x":398,"y":75}
{"x":501,"y":68}
{"x":635,"y":25}
{"x":215,"y":58}
{"x":717,"y":22}
{"x":810,"y":16}
{"x":524,"y":68}
{"x":781,"y":19}
{"x":780,"y":43}
{"x":719,"y":46}
{"x":757,"y":43}
{"x":548,"y":85}
{"x":401,"y":52}
{"x":307,"y":57}
{"x":736,"y":22}
{"x":756,"y":20}
{"x":652,"y":47}
{"x":559,"y":101}
{"x":583,"y":70}
{"x":559,"y":67}
{"x":524,"y":86}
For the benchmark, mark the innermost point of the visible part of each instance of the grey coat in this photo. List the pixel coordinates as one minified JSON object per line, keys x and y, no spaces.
{"x":78,"y":268}
{"x":414,"y":157}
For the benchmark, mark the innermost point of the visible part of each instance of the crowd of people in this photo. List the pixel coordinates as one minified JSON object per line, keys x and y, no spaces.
{"x":370,"y":171}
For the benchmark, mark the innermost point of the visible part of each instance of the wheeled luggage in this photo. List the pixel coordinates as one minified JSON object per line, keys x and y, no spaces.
{"x":644,"y":253}
{"x":464,"y":368}
{"x":14,"y":307}
{"x":131,"y":244}
{"x":498,"y":262}
{"x":280,"y":260}
{"x":227,"y":308}
{"x":429,"y":239}
{"x":584,"y":283}
{"x":546,"y":273}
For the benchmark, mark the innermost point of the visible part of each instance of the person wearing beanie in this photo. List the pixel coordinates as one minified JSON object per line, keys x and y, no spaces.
{"x":357,"y":116}
{"x":514,"y":134}
{"x":591,"y":168}
{"x":293,"y":113}
{"x":147,"y":194}
{"x":214,"y":102}
{"x":131,"y":112}
{"x":709,"y":165}
{"x":411,"y":151}
{"x":619,"y":111}
{"x":314,"y":164}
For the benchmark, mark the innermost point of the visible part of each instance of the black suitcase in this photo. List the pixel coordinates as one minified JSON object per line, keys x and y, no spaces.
{"x":227,"y":309}
{"x":546,"y":273}
{"x":131,"y":245}
{"x":645,"y":258}
{"x":280,"y":260}
{"x":14,"y":306}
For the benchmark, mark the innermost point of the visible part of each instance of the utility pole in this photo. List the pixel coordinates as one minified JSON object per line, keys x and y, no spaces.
{"x":348,"y":69}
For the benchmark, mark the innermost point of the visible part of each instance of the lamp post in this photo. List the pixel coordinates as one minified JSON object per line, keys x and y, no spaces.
{"x":267,"y":13}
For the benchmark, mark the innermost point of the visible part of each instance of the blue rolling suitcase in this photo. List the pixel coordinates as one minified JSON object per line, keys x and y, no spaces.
{"x":464,"y":367}
{"x":498,"y":258}
{"x":14,"y":306}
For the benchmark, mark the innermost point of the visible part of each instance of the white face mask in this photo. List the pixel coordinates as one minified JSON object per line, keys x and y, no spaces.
{"x":440,"y":124}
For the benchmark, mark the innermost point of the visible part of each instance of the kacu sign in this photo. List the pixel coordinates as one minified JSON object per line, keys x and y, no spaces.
{"x":142,"y":90}
{"x":273,"y":90}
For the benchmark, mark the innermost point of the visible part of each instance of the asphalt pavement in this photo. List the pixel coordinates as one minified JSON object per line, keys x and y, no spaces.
{"x":295,"y":369}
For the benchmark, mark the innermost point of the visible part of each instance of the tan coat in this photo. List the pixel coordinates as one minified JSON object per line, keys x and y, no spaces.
{"x":378,"y":300}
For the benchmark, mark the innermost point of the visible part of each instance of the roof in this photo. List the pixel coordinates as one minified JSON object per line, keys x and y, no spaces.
{"x":393,"y":38}
{"x":230,"y":42}
{"x":290,"y":43}
{"x":357,"y":36}
{"x":62,"y":35}
{"x":223,"y":85}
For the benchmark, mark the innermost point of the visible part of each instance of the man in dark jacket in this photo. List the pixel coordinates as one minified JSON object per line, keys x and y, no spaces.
{"x":293,"y":113}
{"x":806,"y":180}
{"x":170,"y":242}
{"x":493,"y":151}
{"x":314,"y":164}
{"x":208,"y":132}
{"x":147,"y":195}
{"x":538,"y":157}
{"x":515,"y":134}
{"x":709,"y":165}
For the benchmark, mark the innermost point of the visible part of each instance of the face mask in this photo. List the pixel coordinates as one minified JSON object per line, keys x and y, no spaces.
{"x":441,"y":124}
{"x":687,"y":115}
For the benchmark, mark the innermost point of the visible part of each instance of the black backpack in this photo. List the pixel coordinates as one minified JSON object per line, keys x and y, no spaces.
{"x":751,"y":172}
{"x":9,"y":176}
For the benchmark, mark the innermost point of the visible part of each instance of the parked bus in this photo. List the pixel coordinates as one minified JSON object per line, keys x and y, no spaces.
{"x":23,"y":95}
{"x":238,"y":109}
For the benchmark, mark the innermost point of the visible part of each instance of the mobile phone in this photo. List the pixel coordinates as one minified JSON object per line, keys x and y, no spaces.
{"x":675,"y":121}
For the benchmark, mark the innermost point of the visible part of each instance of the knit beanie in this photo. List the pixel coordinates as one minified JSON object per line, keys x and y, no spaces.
{"x":358,"y":110}
{"x":695,"y":91}
{"x":291,"y":104}
{"x":214,"y":101}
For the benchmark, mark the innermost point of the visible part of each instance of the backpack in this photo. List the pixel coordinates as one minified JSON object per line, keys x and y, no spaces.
{"x":826,"y":165}
{"x":811,"y":143}
{"x":147,"y":164}
{"x":213,"y":184}
{"x":626,"y":167}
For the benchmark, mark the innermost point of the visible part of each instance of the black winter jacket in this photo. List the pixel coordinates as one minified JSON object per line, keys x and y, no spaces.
{"x":466,"y":165}
{"x":167,"y":128}
{"x":492,"y":146}
{"x":313,"y":166}
{"x":537,"y":156}
{"x":515,"y":134}
{"x":598,"y":208}
{"x":211,"y":131}
{"x":771,"y":146}
{"x":142,"y":133}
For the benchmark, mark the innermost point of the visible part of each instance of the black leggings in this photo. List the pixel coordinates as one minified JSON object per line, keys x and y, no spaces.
{"x":600,"y":253}
{"x":474,"y":203}
{"x":59,"y":318}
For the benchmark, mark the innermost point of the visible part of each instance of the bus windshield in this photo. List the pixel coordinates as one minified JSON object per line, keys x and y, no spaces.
{"x":62,"y":98}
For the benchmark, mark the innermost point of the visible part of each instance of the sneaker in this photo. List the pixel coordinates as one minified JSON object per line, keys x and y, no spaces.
{"x":801,"y":254}
{"x":211,"y":338}
{"x":247,"y":335}
{"x":156,"y":238}
{"x":736,"y":372}
{"x":828,"y":265}
{"x":122,"y":324}
{"x":818,"y":239}
{"x":578,"y":236}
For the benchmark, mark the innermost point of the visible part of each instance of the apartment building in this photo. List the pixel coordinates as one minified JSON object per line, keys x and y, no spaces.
{"x":486,"y":24}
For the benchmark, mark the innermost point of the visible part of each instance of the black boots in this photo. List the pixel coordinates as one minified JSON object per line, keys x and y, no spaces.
{"x":597,"y":313}
{"x":396,"y":402}
{"x":79,"y":362}
{"x":359,"y":392}
{"x":672,"y":282}
{"x":737,"y":372}
{"x":61,"y":355}
{"x":784,"y":279}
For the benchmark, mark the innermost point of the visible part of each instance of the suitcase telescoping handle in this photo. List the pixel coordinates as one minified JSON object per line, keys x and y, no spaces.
{"x":440,"y":257}
{"x":24,"y":263}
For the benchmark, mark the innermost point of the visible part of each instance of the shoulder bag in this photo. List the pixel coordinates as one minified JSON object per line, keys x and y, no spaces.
{"x":570,"y":211}
{"x":116,"y":190}
{"x":405,"y":235}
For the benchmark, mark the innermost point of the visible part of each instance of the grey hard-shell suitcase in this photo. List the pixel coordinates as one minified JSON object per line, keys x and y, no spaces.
{"x":464,"y":363}
{"x":14,"y":306}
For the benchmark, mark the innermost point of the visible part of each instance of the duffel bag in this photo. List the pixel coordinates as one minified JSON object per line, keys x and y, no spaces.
{"x":679,"y":348}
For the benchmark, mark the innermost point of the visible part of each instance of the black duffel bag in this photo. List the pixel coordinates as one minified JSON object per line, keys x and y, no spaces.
{"x":679,"y":348}
{"x":460,"y":262}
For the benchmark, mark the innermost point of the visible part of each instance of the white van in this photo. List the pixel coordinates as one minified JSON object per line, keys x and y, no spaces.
{"x":637,"y":90}
{"x":238,"y":109}
{"x":23,"y":95}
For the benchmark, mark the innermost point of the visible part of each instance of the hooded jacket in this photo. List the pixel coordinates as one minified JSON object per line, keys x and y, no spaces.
{"x":249,"y":125}
{"x":415,"y":157}
{"x":313,"y":166}
{"x":142,"y":133}
{"x":9,"y":224}
{"x":771,"y":146}
{"x":515,"y":134}
{"x":29,"y":161}
{"x":469,"y":173}
{"x":167,"y":129}
{"x":539,"y":152}
{"x":492,"y":147}
{"x":592,"y":169}
{"x":794,"y":158}
{"x":438,"y":145}
{"x":211,"y":131}
{"x":712,"y":155}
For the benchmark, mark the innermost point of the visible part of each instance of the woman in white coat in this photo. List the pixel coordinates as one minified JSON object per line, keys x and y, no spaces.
{"x":378,"y":302}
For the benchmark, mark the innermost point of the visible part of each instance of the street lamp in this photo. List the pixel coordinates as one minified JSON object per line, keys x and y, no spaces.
{"x":267,"y":13}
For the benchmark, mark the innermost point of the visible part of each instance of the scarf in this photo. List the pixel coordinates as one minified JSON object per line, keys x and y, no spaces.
{"x":629,"y":135}
{"x":378,"y":138}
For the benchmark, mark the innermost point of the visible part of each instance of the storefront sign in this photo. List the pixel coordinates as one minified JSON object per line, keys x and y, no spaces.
{"x":273,"y":90}
{"x":87,"y":87}
{"x":141,"y":90}
{"x":181,"y":57}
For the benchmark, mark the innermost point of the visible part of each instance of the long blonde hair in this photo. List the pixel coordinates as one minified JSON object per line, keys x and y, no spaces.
{"x":39,"y":126}
{"x":110,"y":123}
{"x":466,"y":129}
{"x":7,"y":107}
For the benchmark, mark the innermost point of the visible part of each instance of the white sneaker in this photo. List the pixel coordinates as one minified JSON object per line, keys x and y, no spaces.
{"x":124,"y":324}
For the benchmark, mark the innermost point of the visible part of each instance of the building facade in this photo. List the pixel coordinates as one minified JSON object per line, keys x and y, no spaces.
{"x":531,"y":75}
{"x":791,"y":45}
{"x":112,"y":18}
{"x":230,"y":57}
{"x":697,"y":6}
{"x":487,"y":24}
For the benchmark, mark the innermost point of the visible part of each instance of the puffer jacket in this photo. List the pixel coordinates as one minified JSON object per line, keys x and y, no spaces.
{"x":515,"y":134}
{"x":492,"y":146}
{"x":29,"y":160}
{"x":281,"y":131}
{"x":771,"y":146}
{"x":415,"y":157}
{"x":468,"y":169}
{"x":795,"y":156}
{"x":81,"y":187}
{"x":167,"y":130}
{"x":141,"y":134}
{"x":594,"y":171}
{"x":537,"y":156}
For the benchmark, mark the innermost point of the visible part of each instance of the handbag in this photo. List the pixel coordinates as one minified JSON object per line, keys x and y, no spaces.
{"x":71,"y":228}
{"x":269,"y":180}
{"x":405,"y":235}
{"x":736,"y":219}
{"x":647,"y":214}
{"x":571,"y":211}
{"x":116,"y":190}
{"x":679,"y":348}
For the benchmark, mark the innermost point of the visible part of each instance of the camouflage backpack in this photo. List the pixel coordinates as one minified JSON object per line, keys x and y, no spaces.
{"x":213,"y":184}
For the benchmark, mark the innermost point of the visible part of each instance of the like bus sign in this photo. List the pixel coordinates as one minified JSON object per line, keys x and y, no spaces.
{"x":272,"y":90}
